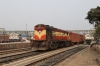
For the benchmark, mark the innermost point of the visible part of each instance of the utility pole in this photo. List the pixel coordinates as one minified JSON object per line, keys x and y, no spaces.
{"x":26,"y":30}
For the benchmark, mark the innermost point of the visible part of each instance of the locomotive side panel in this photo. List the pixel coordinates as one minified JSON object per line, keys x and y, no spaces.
{"x":49,"y":33}
{"x":60,"y":35}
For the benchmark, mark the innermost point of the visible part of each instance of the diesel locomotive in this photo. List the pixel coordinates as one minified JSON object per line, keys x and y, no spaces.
{"x":48,"y":37}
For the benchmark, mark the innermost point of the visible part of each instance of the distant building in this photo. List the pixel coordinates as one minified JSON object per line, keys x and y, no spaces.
{"x":2,"y":31}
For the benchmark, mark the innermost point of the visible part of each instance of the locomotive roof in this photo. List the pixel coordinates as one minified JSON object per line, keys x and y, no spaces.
{"x":47,"y":26}
{"x":40,"y":25}
{"x":43,"y":25}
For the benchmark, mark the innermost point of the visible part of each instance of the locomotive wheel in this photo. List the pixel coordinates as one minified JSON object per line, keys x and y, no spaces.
{"x":52,"y":46}
{"x":67,"y":44}
{"x":56,"y":46}
{"x":72,"y":44}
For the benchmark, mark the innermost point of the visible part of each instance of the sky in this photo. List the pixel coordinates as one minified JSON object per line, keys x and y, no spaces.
{"x":62,"y":14}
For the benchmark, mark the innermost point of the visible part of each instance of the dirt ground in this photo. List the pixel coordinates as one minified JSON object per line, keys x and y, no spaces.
{"x":86,"y":57}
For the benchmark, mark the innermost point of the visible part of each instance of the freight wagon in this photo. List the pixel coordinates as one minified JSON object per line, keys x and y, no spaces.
{"x":48,"y":37}
{"x":4,"y":38}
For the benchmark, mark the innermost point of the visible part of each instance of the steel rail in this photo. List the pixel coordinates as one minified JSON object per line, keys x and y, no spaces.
{"x":52,"y":60}
{"x":40,"y":57}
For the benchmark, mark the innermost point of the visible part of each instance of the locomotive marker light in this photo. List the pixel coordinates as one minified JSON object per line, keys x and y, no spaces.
{"x":39,"y":32}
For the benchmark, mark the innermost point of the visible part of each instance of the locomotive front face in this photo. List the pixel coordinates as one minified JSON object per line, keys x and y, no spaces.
{"x":40,"y":32}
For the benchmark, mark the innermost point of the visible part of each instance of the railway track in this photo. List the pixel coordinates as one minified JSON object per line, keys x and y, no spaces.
{"x":3,"y":52}
{"x":16,"y":56}
{"x":54,"y":59}
{"x":44,"y":58}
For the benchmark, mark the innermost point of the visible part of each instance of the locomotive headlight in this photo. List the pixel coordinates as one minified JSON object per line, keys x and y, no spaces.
{"x":43,"y":43}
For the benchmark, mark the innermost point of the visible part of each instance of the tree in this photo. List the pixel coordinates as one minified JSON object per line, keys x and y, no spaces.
{"x":94,"y":18}
{"x":97,"y":33}
{"x":94,"y":15}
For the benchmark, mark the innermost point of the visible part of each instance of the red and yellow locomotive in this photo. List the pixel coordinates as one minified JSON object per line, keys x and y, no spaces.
{"x":47,"y":37}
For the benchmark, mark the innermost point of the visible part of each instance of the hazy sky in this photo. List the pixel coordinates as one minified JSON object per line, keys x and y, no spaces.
{"x":63,"y":14}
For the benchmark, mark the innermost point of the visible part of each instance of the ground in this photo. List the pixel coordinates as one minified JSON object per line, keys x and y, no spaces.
{"x":86,"y":57}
